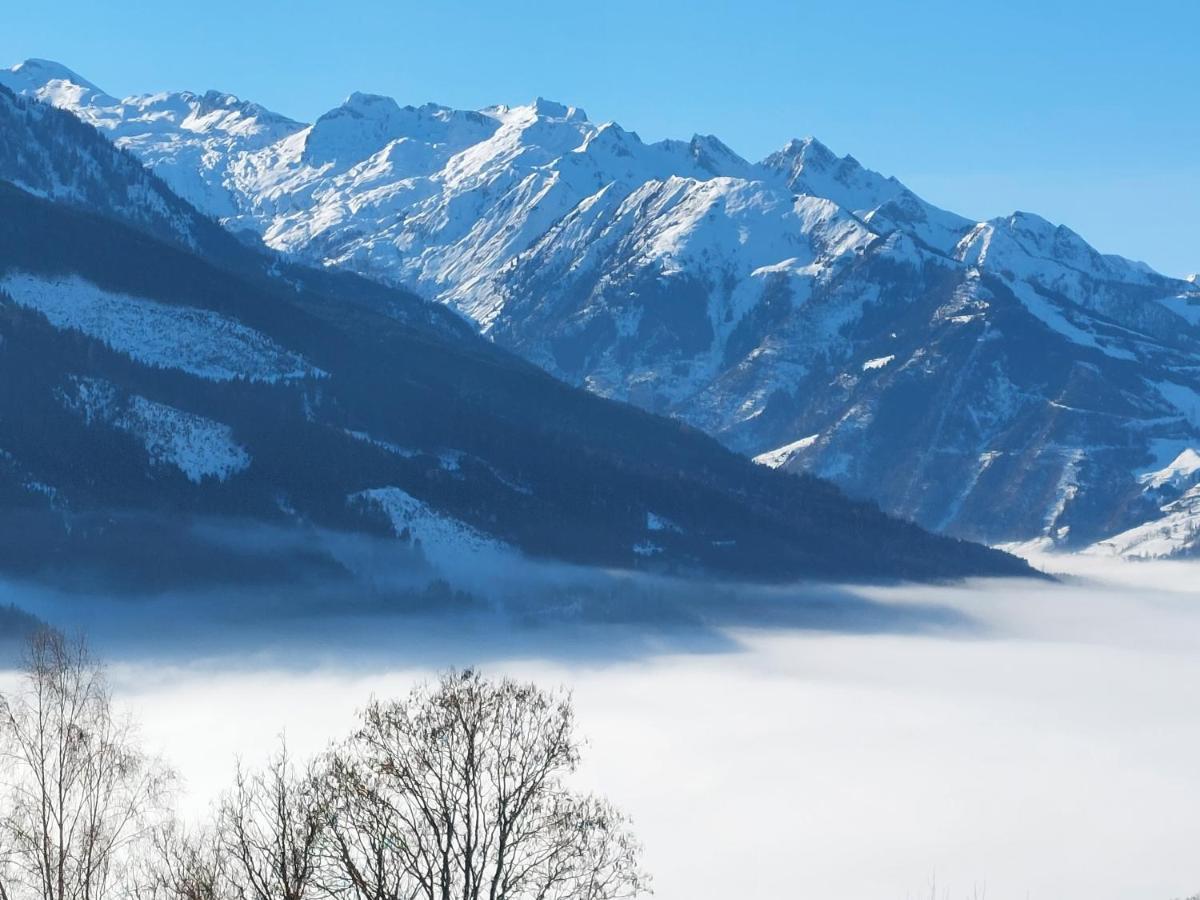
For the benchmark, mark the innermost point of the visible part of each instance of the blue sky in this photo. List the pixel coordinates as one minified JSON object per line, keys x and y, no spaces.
{"x":1085,"y":112}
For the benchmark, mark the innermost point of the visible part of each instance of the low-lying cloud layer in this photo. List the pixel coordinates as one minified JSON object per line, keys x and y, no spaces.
{"x":1023,"y":738}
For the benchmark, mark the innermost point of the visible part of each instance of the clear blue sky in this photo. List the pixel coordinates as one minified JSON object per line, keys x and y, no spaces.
{"x":1085,"y":111}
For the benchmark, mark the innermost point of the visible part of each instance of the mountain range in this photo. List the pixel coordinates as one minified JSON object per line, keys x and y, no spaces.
{"x":179,"y":407}
{"x":999,"y":381}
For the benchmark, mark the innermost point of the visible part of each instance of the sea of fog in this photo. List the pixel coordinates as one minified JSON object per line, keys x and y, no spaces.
{"x":995,"y":739}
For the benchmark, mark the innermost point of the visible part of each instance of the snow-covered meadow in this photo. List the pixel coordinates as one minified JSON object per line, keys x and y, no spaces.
{"x":1009,"y":740}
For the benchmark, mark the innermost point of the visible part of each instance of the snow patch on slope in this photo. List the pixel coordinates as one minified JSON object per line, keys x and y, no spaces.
{"x":1175,"y":533}
{"x":196,"y":341}
{"x":655,"y":522}
{"x":781,"y":455}
{"x":444,"y":540}
{"x":198,"y":447}
{"x":1186,"y":306}
{"x":1185,"y":399}
{"x":647,"y":549}
{"x":395,"y":449}
{"x":1175,"y":473}
{"x":1065,"y":491}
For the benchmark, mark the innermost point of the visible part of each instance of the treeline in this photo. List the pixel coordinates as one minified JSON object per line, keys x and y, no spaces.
{"x":461,"y":789}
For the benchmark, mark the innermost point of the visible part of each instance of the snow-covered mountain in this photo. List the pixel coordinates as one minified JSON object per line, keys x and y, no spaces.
{"x":998,"y":380}
{"x":160,"y":378}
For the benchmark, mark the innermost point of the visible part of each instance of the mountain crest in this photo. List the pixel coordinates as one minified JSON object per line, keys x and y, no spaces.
{"x":551,"y":109}
{"x":714,"y":156}
{"x":42,"y":71}
{"x":53,"y":83}
{"x":360,"y":103}
{"x":799,"y":153}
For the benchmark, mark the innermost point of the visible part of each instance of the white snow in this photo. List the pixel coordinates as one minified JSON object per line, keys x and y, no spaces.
{"x":53,"y":83}
{"x":1177,"y":528}
{"x":1185,"y":465}
{"x":1062,"y":280}
{"x":877,"y":363}
{"x":1183,"y":398}
{"x":197,"y":446}
{"x":1186,"y":306}
{"x":395,"y":449}
{"x":1054,"y":317}
{"x":812,"y":168}
{"x":1176,"y":531}
{"x":196,"y":341}
{"x":655,"y":522}
{"x":1065,"y":491}
{"x":49,"y":491}
{"x":781,"y":455}
{"x":444,"y":540}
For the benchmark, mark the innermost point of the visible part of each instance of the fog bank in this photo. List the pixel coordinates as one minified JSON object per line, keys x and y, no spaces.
{"x":1027,"y":739}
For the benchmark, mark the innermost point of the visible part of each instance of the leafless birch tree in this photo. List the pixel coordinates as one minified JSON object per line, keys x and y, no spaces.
{"x":183,"y":865}
{"x":460,"y":791}
{"x":79,"y":795}
{"x":269,"y":827}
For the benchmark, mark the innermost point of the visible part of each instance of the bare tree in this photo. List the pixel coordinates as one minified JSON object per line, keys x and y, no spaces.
{"x":270,"y":826}
{"x":179,"y":865}
{"x":460,"y":791}
{"x":81,"y":795}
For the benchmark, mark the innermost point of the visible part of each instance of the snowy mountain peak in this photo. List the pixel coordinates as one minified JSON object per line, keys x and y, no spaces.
{"x":366,"y":123}
{"x":806,"y":155}
{"x":1036,"y":227}
{"x":361,"y":126}
{"x":147,"y":117}
{"x":809,"y":167}
{"x":360,"y":103}
{"x":212,"y":113}
{"x":551,"y":109}
{"x":539,"y":109}
{"x":713,"y":155}
{"x":1053,"y":255}
{"x":1036,"y":232}
{"x":52,"y":83}
{"x":813,"y":153}
{"x":791,"y":149}
{"x":38,"y":72}
{"x":607,"y":143}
